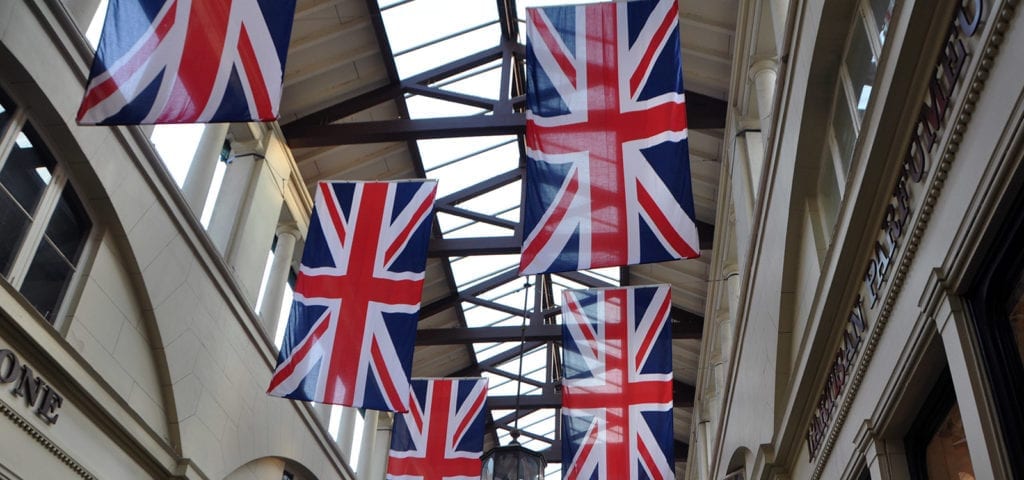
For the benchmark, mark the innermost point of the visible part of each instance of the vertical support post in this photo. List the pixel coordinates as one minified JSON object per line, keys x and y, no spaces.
{"x":204,"y":163}
{"x":273,"y":295}
{"x":381,"y":445}
{"x":346,"y":430}
{"x":886,"y":460}
{"x":366,"y":449}
{"x":755,"y":164}
{"x":979,"y":420}
{"x":765,"y":74}
{"x":82,"y":11}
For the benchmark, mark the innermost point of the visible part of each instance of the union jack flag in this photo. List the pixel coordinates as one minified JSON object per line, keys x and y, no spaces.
{"x":442,"y":435}
{"x":617,"y":391}
{"x":607,"y":171}
{"x":350,"y":335}
{"x":188,"y":61}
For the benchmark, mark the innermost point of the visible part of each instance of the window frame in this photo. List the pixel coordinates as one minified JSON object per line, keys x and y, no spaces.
{"x":39,"y":219}
{"x":862,"y":15}
{"x":940,"y":401}
{"x":989,"y":320}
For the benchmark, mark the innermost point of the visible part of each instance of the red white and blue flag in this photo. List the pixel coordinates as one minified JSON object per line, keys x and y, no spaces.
{"x":617,"y":391}
{"x":188,"y":61}
{"x":351,"y":332}
{"x":441,"y":437}
{"x":608,"y":174}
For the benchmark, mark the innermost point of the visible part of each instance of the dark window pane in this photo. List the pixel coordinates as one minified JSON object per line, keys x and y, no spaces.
{"x":947,"y":454}
{"x":1017,"y":317}
{"x":861,"y":64}
{"x":842,"y":125}
{"x":27,"y":171}
{"x":5,"y":113}
{"x":69,"y":225}
{"x":13,"y":223}
{"x":882,"y":11}
{"x":48,"y":276}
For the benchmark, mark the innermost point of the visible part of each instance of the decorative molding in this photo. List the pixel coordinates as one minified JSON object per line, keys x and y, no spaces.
{"x":989,"y":51}
{"x":20,"y":421}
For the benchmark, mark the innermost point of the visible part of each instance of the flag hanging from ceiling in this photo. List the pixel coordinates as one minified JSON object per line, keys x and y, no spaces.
{"x":617,"y":390}
{"x":188,"y":61}
{"x":349,"y":339}
{"x":441,"y":437}
{"x":607,"y":171}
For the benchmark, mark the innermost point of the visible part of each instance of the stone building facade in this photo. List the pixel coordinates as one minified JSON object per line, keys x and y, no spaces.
{"x":867,"y":323}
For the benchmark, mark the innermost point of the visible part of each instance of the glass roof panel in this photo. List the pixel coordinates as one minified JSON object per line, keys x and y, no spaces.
{"x":483,"y":81}
{"x":421,"y":22}
{"x":425,"y":35}
{"x":459,"y":227}
{"x":439,"y":151}
{"x":469,"y":271}
{"x":425,"y":107}
{"x":446,"y":50}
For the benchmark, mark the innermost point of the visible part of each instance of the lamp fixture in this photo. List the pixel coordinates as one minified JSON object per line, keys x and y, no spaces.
{"x":514,"y":461}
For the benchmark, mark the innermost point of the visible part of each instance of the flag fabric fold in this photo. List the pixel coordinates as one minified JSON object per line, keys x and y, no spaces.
{"x":188,"y":61}
{"x":352,"y":327}
{"x":608,"y":176}
{"x":441,"y":437}
{"x":617,"y":388}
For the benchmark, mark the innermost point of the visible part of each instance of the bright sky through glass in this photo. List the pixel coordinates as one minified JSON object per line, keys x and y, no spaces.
{"x":426,"y":34}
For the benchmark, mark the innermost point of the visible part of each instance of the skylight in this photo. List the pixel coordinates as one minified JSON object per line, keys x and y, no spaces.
{"x":425,"y":35}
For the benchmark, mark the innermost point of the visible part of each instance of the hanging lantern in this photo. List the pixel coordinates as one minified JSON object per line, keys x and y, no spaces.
{"x":512,"y":462}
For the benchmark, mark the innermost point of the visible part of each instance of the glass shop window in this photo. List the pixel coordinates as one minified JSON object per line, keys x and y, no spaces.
{"x":997,"y":306}
{"x":1016,"y":317}
{"x":937,"y":446}
{"x":946,"y":456}
{"x":43,"y":224}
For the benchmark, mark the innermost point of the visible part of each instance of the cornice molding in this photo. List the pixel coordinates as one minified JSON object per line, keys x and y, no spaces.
{"x":43,"y":440}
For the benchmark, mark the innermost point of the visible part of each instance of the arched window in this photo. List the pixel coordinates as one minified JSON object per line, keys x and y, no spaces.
{"x":43,"y":224}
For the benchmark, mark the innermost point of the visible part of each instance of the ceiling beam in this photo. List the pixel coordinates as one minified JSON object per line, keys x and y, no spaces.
{"x":403,"y":129}
{"x":703,"y":112}
{"x":554,"y":454}
{"x":534,"y":333}
{"x":683,"y":399}
{"x":511,"y":245}
{"x":462,"y":247}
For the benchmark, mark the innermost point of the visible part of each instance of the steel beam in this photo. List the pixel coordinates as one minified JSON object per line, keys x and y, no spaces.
{"x":403,"y":129}
{"x":704,"y":113}
{"x":463,"y":247}
{"x":682,"y":399}
{"x":534,"y":333}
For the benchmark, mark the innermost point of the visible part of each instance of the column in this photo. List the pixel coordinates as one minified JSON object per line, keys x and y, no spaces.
{"x":346,"y":430}
{"x":366,"y":446}
{"x":704,"y":451}
{"x":983,"y":437}
{"x":754,"y":142}
{"x":886,"y":459}
{"x":742,"y":195}
{"x":779,"y":12}
{"x":732,"y":275}
{"x":273,"y":296}
{"x":381,"y":445}
{"x":200,"y":173}
{"x":764,"y":74}
{"x":82,"y":11}
{"x":246,"y":216}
